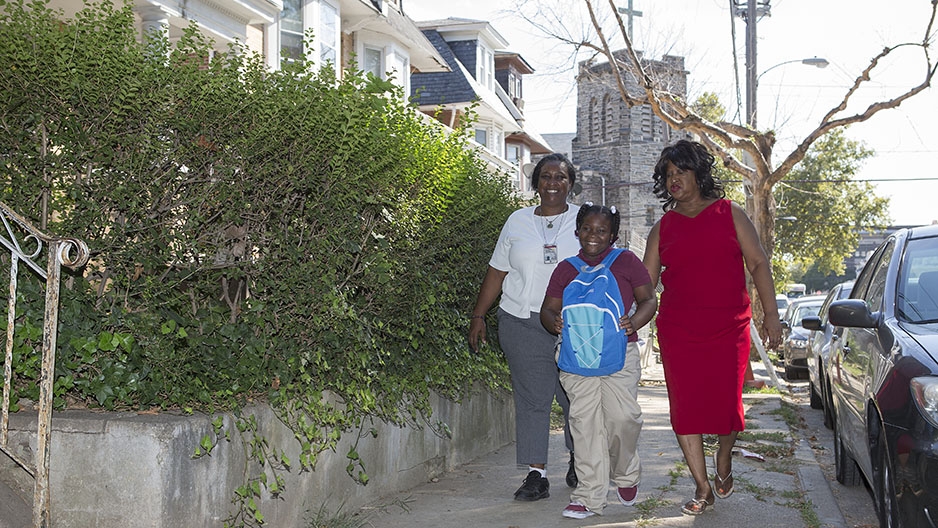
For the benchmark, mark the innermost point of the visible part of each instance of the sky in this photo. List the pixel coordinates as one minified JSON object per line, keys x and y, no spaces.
{"x":792,"y":97}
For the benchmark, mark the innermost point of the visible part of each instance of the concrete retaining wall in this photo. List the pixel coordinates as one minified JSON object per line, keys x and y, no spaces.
{"x":131,"y":470}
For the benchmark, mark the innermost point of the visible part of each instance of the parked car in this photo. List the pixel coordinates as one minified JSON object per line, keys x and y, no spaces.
{"x":781,"y":300}
{"x":794,"y":348}
{"x":884,"y":379}
{"x":819,"y":348}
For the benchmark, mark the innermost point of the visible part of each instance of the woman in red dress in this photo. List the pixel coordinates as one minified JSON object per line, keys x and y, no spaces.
{"x":698,"y":249}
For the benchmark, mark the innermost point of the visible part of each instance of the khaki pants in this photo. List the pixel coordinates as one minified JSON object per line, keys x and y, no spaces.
{"x":605,"y":420}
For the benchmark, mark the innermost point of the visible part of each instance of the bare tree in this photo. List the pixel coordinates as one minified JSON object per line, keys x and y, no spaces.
{"x":726,"y":139}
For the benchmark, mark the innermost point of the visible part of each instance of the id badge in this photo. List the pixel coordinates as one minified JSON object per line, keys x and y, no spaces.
{"x":550,"y":254}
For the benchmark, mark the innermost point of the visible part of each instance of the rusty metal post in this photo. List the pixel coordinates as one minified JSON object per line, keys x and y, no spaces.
{"x":69,"y":252}
{"x":41,"y":495}
{"x":8,"y":358}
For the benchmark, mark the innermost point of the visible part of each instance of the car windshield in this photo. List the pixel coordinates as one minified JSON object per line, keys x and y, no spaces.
{"x":917,"y":296}
{"x":804,"y":311}
{"x":781,"y":303}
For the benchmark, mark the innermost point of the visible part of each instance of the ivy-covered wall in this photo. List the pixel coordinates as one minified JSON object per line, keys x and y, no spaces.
{"x":255,"y":235}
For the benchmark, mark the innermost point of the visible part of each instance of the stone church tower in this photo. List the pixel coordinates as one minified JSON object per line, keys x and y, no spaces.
{"x":616,"y":147}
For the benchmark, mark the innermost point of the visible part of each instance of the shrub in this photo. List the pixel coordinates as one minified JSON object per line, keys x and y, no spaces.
{"x":254,"y":234}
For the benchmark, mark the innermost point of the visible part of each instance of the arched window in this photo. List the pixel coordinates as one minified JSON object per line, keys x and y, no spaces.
{"x":592,"y":123}
{"x":608,"y":118}
{"x":647,"y":123}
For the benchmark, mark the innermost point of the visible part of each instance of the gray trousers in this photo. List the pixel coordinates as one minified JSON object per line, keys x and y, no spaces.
{"x":535,"y":381}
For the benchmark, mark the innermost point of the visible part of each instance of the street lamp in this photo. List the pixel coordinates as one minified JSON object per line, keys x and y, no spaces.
{"x":817,"y":62}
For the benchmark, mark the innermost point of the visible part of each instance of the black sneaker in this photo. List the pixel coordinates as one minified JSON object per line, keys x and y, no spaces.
{"x":572,"y":479}
{"x":535,"y":487}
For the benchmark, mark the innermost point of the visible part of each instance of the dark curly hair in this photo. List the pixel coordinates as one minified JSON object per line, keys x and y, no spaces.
{"x":692,"y":156}
{"x":556,"y":156}
{"x":588,"y":208}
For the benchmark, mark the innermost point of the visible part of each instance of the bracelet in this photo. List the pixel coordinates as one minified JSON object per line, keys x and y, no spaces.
{"x":476,"y":317}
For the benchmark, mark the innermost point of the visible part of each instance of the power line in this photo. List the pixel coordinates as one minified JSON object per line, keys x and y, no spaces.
{"x":847,"y":181}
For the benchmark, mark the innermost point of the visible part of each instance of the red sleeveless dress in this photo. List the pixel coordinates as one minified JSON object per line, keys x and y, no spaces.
{"x":703,"y":320}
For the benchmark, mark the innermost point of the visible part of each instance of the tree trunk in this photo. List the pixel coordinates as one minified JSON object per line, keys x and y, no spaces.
{"x":761,"y":209}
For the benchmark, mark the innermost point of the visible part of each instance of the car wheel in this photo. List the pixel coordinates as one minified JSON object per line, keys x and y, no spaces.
{"x":846,"y":468}
{"x":887,"y":509}
{"x":789,"y":373}
{"x":816,"y":402}
{"x":828,"y":402}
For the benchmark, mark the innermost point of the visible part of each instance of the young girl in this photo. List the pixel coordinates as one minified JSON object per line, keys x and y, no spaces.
{"x":605,"y":418}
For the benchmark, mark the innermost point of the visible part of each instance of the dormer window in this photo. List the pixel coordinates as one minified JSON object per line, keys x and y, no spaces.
{"x":514,"y":85}
{"x":321,"y":18}
{"x":485,"y":66}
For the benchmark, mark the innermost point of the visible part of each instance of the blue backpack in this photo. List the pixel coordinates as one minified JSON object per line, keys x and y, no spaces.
{"x":592,"y":344}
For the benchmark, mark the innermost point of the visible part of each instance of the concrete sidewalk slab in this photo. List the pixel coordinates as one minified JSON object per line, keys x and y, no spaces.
{"x":768,"y":493}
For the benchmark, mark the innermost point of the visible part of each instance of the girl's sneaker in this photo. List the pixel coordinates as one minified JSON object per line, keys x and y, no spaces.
{"x":627,"y":495}
{"x":575,"y":510}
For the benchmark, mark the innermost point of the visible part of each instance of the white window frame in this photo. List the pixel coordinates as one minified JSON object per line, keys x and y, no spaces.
{"x":366,"y":47}
{"x":397,"y":57}
{"x":487,"y":133}
{"x":321,"y":45}
{"x":485,"y":65}
{"x":392,"y":56}
{"x":311,"y":14}
{"x":280,"y":30}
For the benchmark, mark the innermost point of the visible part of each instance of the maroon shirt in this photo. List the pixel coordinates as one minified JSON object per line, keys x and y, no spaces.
{"x":628,"y":270}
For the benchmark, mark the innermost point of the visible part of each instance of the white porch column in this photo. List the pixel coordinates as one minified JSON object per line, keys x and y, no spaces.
{"x":154,"y":19}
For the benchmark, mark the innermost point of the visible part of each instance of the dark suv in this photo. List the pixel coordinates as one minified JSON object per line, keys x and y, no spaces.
{"x":884,"y":378}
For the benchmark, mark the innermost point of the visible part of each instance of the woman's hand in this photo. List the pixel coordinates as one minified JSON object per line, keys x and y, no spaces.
{"x":550,"y":315}
{"x":488,"y":292}
{"x":625,"y":323}
{"x":772,"y":330}
{"x":476,"y":332}
{"x":558,"y":324}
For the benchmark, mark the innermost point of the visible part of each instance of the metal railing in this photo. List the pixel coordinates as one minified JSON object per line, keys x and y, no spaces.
{"x":26,"y":244}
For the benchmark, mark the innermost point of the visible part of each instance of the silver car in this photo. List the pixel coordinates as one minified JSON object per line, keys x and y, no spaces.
{"x":794,"y":349}
{"x":819,"y":351}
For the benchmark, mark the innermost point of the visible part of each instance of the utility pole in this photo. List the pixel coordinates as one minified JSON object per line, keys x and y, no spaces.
{"x":751,"y":11}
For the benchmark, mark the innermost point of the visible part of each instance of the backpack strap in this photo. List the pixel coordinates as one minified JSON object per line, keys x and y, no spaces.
{"x":577,"y":263}
{"x":580,"y":265}
{"x":612,"y":256}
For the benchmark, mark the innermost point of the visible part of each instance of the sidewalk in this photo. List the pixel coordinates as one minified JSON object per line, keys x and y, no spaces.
{"x":769,"y":493}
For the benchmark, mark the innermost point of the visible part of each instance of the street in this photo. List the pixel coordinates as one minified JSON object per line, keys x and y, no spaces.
{"x":856,"y":503}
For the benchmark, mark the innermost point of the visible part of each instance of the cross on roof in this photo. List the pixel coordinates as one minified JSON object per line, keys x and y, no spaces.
{"x":630,"y":12}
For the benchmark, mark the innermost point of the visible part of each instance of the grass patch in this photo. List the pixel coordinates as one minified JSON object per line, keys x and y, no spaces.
{"x":763,"y":390}
{"x":323,"y":518}
{"x":786,"y":468}
{"x":777,"y":436}
{"x":647,"y":509}
{"x":788,"y":413}
{"x":804,"y":506}
{"x":760,"y":493}
{"x":676,"y":473}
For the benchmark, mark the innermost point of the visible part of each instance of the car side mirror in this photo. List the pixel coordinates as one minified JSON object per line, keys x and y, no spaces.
{"x":812,"y":322}
{"x":853,"y":313}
